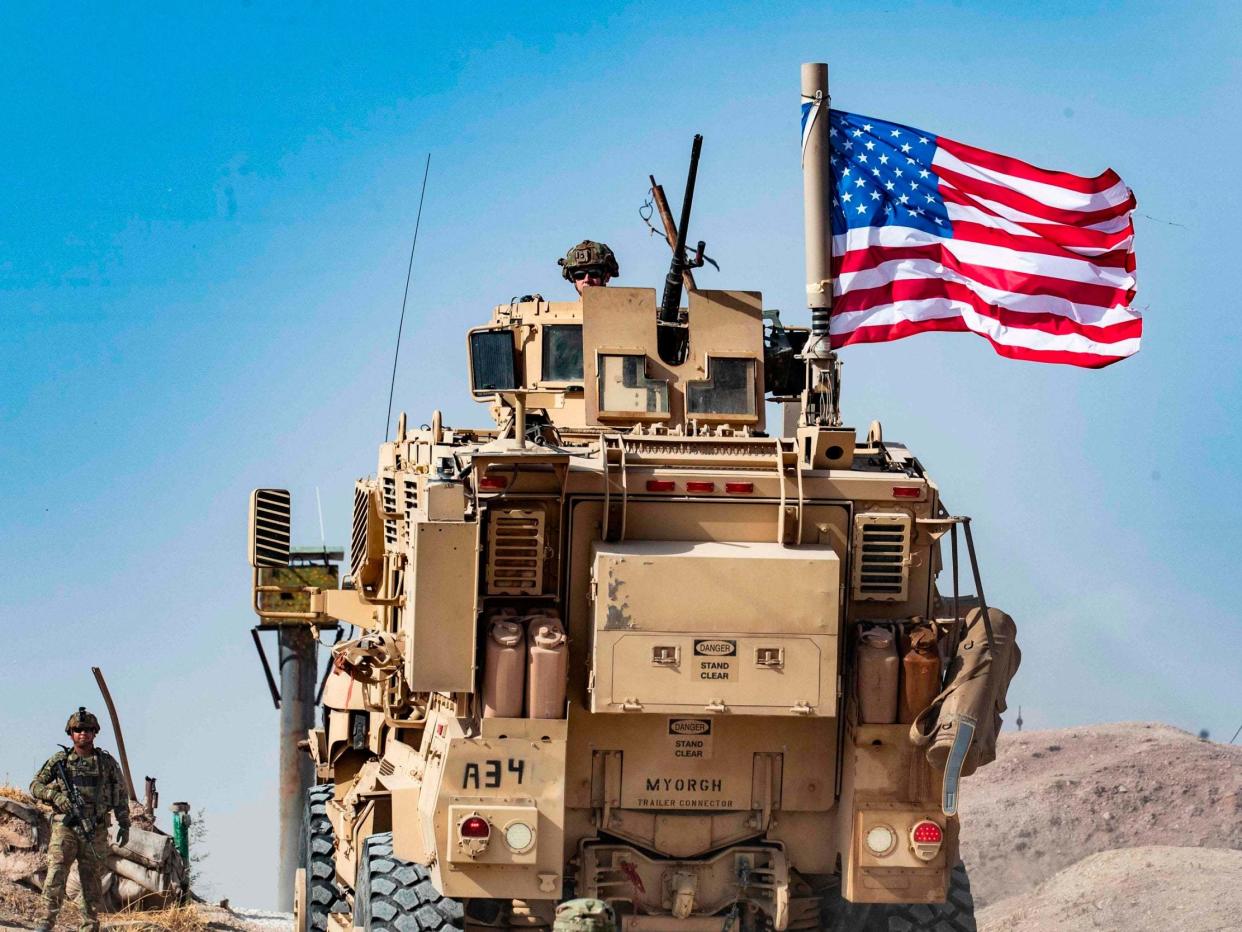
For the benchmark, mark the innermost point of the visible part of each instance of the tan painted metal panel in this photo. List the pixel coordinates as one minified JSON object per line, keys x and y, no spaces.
{"x":438,"y":621}
{"x":729,"y":672}
{"x":513,"y":764}
{"x":714,"y":586}
{"x":721,"y":323}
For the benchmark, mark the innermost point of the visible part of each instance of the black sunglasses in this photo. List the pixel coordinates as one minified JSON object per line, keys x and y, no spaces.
{"x":88,"y":731}
{"x":583,"y":274}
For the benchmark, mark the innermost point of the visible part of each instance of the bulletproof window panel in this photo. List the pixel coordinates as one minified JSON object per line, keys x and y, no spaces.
{"x":492,"y":361}
{"x":728,"y":389}
{"x":562,"y":353}
{"x":624,"y":386}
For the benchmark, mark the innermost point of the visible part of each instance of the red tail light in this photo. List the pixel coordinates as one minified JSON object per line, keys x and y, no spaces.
{"x":907,"y":491}
{"x":475,"y":827}
{"x":661,"y":485}
{"x":927,"y":833}
{"x":739,"y":488}
{"x":493,"y":483}
{"x":700,"y":487}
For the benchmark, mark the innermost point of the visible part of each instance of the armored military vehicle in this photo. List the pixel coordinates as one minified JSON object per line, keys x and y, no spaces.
{"x":631,"y":644}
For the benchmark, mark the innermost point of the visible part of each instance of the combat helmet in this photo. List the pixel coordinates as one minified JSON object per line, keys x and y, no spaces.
{"x":589,"y":255}
{"x":81,"y":719}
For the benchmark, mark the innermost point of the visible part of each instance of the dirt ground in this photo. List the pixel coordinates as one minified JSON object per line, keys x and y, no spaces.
{"x":1153,"y":887}
{"x":1053,"y":798}
{"x":1122,"y":826}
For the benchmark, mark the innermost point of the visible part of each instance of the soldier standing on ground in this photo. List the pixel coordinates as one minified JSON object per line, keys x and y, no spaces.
{"x":98,"y":778}
{"x":589,"y":264}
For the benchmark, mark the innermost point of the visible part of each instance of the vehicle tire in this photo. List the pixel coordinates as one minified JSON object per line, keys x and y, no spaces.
{"x":956,"y":913}
{"x":397,"y":896}
{"x":323,"y":896}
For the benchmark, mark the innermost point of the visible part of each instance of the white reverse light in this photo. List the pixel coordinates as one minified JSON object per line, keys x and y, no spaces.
{"x":519,"y":837}
{"x":881,"y":840}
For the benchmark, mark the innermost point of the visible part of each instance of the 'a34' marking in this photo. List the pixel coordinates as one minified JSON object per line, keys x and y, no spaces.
{"x":488,"y":774}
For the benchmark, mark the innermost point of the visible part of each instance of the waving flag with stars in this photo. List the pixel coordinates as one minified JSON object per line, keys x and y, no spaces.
{"x":929,"y":234}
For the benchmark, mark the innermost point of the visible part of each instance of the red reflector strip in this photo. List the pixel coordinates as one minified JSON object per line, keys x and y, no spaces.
{"x":475,"y":827}
{"x":700,"y":487}
{"x":660,"y":485}
{"x":739,"y":488}
{"x":493,"y":483}
{"x":906,"y":491}
{"x":928,"y":833}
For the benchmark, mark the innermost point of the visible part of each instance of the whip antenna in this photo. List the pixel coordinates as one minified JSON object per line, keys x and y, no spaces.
{"x":409,"y":272}
{"x":323,"y":538}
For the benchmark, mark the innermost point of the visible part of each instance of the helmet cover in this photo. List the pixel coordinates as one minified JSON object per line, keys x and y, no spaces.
{"x":589,"y":255}
{"x":81,"y":719}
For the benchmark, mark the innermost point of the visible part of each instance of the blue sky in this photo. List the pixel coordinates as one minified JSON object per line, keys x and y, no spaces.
{"x":208,"y":215}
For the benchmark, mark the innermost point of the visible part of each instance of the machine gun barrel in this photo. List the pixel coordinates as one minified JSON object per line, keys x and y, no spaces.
{"x":670,"y":228}
{"x":674,"y":281}
{"x":77,"y":817}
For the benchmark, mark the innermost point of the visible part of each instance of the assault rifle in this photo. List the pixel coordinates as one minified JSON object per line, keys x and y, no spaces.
{"x":76,"y":817}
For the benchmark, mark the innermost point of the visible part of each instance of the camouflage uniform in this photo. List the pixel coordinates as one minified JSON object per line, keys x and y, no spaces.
{"x":584,"y":915}
{"x":99,"y":779}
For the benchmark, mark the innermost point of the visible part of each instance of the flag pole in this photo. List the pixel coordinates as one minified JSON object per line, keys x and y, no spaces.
{"x":820,"y":399}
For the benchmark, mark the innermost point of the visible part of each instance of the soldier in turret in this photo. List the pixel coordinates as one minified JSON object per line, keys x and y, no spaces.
{"x":82,"y":836}
{"x":589,"y":264}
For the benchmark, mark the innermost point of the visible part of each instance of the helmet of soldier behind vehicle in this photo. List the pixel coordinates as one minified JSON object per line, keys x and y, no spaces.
{"x":589,"y":255}
{"x":81,"y":719}
{"x":584,"y":915}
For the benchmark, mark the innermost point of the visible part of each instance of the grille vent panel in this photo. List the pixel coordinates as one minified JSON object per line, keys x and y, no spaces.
{"x":388,"y":486}
{"x":269,"y":527}
{"x":358,"y":540}
{"x":366,"y":550}
{"x":410,"y":498}
{"x":515,"y":552}
{"x":881,"y":571}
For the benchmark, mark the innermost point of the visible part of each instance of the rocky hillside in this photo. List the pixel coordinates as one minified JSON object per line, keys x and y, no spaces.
{"x":1053,"y":798}
{"x":1107,"y":826}
{"x":1152,"y":887}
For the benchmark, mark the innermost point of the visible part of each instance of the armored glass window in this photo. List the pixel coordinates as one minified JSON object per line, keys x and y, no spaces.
{"x":562,"y":353}
{"x":493,"y":364}
{"x":728,"y":389}
{"x":625,"y":389}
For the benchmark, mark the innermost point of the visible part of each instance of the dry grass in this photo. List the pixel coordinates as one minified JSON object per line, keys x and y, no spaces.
{"x":13,"y":792}
{"x":13,"y":896}
{"x":174,"y":919}
{"x":17,"y":901}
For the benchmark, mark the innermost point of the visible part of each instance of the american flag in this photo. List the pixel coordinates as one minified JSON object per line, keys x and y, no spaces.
{"x":929,"y":234}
